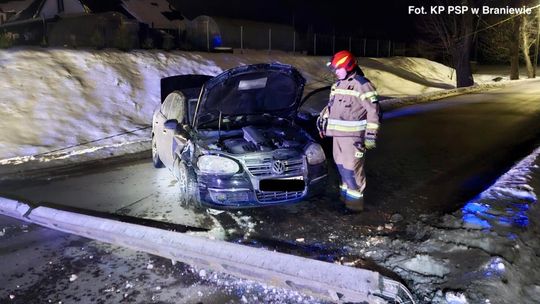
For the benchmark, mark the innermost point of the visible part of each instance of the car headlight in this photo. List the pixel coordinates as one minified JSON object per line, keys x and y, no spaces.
{"x":213,"y":164}
{"x":315,"y":154}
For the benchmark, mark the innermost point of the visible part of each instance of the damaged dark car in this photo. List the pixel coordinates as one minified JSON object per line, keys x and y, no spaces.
{"x":232,"y":140}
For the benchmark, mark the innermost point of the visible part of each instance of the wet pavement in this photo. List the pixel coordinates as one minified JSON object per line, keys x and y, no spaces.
{"x":431,"y":160}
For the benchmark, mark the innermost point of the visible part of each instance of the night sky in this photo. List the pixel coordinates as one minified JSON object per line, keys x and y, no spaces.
{"x":371,"y":19}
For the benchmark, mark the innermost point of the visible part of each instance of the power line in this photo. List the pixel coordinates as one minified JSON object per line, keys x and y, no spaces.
{"x":93,"y":141}
{"x":498,"y":23}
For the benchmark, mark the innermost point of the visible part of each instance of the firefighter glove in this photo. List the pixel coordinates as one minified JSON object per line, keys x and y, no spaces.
{"x":369,"y":141}
{"x":322,"y":122}
{"x":321,"y":126}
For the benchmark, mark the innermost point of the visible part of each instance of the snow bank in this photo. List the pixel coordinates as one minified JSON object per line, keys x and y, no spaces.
{"x":56,"y":98}
{"x":487,"y":252}
{"x":59,"y":98}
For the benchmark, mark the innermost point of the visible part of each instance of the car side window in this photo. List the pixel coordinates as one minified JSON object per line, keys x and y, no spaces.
{"x":192,"y":96}
{"x":176,"y":109}
{"x":166,"y":106}
{"x":192,"y":104}
{"x":315,"y":101}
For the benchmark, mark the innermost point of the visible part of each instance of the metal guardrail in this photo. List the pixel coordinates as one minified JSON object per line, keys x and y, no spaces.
{"x":323,"y":280}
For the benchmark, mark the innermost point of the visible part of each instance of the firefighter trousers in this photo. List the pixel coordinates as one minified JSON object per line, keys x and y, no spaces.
{"x":349,"y":155}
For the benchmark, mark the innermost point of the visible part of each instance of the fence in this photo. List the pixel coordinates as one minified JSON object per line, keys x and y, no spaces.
{"x":324,"y":44}
{"x":201,"y":34}
{"x":92,"y":30}
{"x":208,"y":33}
{"x":25,"y":33}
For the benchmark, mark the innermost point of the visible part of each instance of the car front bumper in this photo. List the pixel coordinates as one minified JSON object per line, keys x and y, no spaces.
{"x":242,"y":190}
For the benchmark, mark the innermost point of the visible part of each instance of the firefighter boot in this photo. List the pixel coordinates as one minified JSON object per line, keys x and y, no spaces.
{"x":343,"y":192}
{"x":355,"y":205}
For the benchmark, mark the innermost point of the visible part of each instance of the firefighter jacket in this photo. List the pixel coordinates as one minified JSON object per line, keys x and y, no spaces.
{"x":353,"y":108}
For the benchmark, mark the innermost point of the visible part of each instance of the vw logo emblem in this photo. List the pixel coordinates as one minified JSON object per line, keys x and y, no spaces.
{"x":278,"y":167}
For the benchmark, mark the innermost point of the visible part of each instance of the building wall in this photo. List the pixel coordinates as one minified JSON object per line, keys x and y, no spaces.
{"x":73,"y":7}
{"x":50,"y":8}
{"x":81,"y":31}
{"x":29,"y":33}
{"x":150,"y":12}
{"x":75,"y":31}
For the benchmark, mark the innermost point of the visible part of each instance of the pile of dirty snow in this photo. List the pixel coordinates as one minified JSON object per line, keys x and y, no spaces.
{"x":86,"y":99}
{"x":484,"y":253}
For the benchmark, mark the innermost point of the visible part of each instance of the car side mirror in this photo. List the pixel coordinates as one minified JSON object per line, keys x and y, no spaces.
{"x":304,"y":115}
{"x":171,"y":124}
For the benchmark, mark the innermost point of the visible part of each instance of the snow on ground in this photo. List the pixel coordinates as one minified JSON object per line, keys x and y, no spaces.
{"x":56,"y":98}
{"x":487,"y":252}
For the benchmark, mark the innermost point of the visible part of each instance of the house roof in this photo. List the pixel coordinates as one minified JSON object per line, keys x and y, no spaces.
{"x":30,"y":12}
{"x":14,"y":6}
{"x":34,"y":9}
{"x":158,"y":13}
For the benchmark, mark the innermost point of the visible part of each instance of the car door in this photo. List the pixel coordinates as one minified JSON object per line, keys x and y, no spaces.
{"x":312,"y":104}
{"x":174,"y":139}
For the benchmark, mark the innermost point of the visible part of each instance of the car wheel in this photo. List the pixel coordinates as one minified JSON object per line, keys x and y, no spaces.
{"x":156,"y":161}
{"x":188,"y":186}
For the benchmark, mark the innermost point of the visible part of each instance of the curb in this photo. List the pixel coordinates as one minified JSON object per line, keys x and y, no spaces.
{"x":35,"y":167}
{"x":322,"y":280}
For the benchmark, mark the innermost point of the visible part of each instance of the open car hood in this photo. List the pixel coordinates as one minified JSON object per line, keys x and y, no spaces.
{"x":274,"y":89}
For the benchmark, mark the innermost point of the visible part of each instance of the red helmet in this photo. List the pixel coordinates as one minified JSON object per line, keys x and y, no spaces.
{"x":343,"y":59}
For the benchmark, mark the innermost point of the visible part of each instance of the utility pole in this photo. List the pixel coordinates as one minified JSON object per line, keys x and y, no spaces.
{"x":208,"y":35}
{"x":294,"y":42}
{"x":315,"y":44}
{"x":241,"y":39}
{"x":365,"y":43}
{"x":269,"y":40}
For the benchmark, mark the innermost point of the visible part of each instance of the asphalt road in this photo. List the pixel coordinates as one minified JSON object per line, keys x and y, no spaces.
{"x":430,"y":159}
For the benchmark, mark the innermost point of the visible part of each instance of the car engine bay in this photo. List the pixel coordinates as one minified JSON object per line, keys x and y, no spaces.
{"x":256,"y":139}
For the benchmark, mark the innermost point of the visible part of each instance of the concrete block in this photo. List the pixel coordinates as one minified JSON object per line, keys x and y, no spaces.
{"x":13,"y":208}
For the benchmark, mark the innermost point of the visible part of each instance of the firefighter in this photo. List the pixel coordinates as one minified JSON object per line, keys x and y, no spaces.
{"x":352,"y":119}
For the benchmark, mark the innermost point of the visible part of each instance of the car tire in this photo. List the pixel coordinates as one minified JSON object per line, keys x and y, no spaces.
{"x":188,"y":186}
{"x":156,"y":161}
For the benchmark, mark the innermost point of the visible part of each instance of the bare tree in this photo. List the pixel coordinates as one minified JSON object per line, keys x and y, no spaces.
{"x":513,"y":44}
{"x":453,"y":34}
{"x":495,"y":41}
{"x":537,"y":40}
{"x":507,"y":35}
{"x":528,"y":30}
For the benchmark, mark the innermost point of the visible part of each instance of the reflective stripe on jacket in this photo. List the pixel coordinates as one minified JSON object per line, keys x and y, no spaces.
{"x":353,"y":107}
